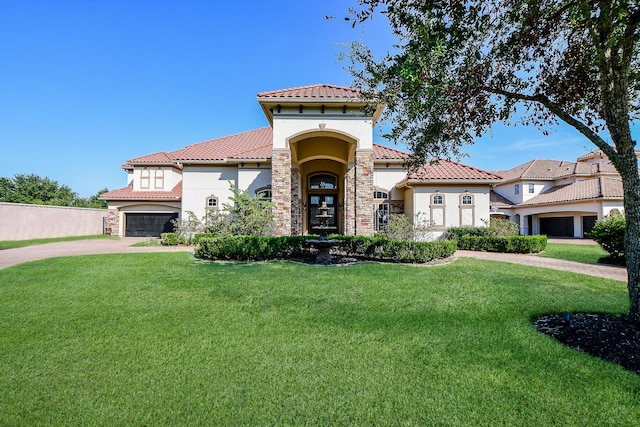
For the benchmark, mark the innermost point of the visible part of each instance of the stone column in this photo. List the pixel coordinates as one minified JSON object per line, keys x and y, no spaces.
{"x":296,"y":203}
{"x":349,"y":201}
{"x":364,"y":211}
{"x":281,"y":190}
{"x":113,"y":222}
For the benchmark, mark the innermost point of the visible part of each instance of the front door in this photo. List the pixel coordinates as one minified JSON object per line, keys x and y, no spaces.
{"x":315,"y":201}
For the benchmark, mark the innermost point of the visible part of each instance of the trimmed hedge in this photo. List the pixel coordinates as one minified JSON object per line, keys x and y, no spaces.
{"x":255,"y":248}
{"x":249,"y":248}
{"x":173,"y":239}
{"x":510,"y":244}
{"x":381,"y":249}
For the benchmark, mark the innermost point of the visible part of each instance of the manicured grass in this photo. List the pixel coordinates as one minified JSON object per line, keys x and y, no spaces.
{"x":11,"y":244}
{"x":164,"y":339}
{"x":570,"y":252}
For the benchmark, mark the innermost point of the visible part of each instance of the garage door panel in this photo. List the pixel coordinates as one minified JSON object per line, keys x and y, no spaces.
{"x":149,"y":224}
{"x":557,"y":226}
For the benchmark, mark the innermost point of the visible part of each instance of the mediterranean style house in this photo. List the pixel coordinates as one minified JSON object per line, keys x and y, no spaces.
{"x":318,"y":148}
{"x":558,"y":198}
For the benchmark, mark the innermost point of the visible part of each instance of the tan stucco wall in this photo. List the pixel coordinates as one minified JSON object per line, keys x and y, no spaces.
{"x":22,"y":222}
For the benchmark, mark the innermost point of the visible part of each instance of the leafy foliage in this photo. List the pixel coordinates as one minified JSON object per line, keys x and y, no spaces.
{"x":508,"y":244}
{"x":497,"y":227}
{"x":33,"y":189}
{"x":249,"y":216}
{"x":459,"y":67}
{"x":609,"y":232}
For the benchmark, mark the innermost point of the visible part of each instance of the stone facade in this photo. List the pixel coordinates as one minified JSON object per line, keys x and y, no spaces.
{"x":113,"y":223}
{"x":281,"y":183}
{"x":359,"y":195}
{"x":297,"y":225}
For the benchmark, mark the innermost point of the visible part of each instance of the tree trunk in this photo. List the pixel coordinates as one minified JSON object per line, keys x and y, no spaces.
{"x":628,"y":168}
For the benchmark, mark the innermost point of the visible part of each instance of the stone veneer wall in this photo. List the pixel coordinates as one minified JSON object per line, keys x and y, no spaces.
{"x":281,"y":183}
{"x":364,"y":193}
{"x":296,"y":204}
{"x":113,"y":222}
{"x":359,"y":195}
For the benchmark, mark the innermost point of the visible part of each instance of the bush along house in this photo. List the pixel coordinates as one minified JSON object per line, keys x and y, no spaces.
{"x":318,"y":148}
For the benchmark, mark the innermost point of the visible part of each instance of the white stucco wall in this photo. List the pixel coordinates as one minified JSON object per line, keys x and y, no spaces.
{"x":286,"y":126}
{"x":422,"y":201}
{"x":251,"y":178}
{"x":387,"y":177}
{"x":200,"y":182}
{"x":171,"y":175}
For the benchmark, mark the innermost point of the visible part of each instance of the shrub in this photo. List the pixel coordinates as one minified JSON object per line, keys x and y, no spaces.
{"x":496,"y":227}
{"x":382,"y":249}
{"x":257,"y":248}
{"x":249,"y":248}
{"x":173,"y":239}
{"x":609,"y":231}
{"x":249,"y":216}
{"x":398,"y":228}
{"x":509,"y":244}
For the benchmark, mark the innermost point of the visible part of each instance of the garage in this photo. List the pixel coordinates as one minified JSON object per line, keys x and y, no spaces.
{"x":588,"y":222}
{"x":149,"y":224}
{"x":557,"y":226}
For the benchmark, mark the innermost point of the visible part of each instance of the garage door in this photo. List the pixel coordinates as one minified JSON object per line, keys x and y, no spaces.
{"x":587,"y":224}
{"x":148,"y":225}
{"x":557,"y":226}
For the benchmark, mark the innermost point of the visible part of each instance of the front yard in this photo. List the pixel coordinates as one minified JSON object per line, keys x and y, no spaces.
{"x":149,"y":339}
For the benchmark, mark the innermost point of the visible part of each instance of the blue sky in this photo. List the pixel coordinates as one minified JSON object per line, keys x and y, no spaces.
{"x":87,"y":84}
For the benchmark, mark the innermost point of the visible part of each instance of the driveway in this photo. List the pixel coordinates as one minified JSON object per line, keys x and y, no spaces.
{"x":9,"y":257}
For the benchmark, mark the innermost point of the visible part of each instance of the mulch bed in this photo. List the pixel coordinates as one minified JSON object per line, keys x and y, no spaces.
{"x":606,"y":336}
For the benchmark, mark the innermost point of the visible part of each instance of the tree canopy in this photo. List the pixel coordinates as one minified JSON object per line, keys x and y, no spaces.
{"x":460,"y":67}
{"x":33,"y":189}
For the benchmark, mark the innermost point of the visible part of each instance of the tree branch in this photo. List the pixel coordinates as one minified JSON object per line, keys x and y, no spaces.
{"x":559,"y":112}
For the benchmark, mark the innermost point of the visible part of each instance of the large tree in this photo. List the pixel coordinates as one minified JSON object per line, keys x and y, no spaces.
{"x":459,"y":67}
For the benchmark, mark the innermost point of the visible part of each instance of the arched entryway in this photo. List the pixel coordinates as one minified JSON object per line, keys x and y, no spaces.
{"x":320,"y":160}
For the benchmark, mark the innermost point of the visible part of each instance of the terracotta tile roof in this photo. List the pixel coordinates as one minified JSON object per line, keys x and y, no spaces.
{"x":319,"y":92}
{"x":595,"y":188}
{"x":498,"y":200}
{"x":546,"y":170}
{"x":254,"y":144}
{"x":449,"y":170}
{"x":382,"y":152}
{"x":127,"y":193}
{"x":251,"y":145}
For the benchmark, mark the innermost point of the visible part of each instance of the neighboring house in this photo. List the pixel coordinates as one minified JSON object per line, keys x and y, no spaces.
{"x":559,"y":198}
{"x":318,"y":149}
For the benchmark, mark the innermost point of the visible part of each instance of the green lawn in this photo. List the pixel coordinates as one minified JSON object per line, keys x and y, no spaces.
{"x":11,"y":244}
{"x":164,"y":339}
{"x":571,"y":252}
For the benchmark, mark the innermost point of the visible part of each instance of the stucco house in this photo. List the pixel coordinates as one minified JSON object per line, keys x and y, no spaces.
{"x":558,"y":198}
{"x":318,"y":147}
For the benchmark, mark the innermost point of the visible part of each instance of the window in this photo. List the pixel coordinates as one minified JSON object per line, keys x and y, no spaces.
{"x":380,"y":195}
{"x":158,"y":181}
{"x":437,"y":210}
{"x":323,"y":181}
{"x":467,"y":210}
{"x":382,"y":216}
{"x":264,"y":194}
{"x":467,"y":199}
{"x":532,"y":188}
{"x":145,"y":178}
{"x":516,"y":189}
{"x":437,"y":199}
{"x":212,"y":203}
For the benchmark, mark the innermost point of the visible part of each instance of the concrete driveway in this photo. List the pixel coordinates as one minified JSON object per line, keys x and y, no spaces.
{"x":9,"y":257}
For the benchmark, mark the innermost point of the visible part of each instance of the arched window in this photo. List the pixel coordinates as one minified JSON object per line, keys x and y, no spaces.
{"x":467,"y":199}
{"x":378,"y":194}
{"x":437,"y":211}
{"x":145,"y":178}
{"x":158,"y":181}
{"x":323,"y":181}
{"x":212,"y":203}
{"x":264,"y":193}
{"x":437,"y":199}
